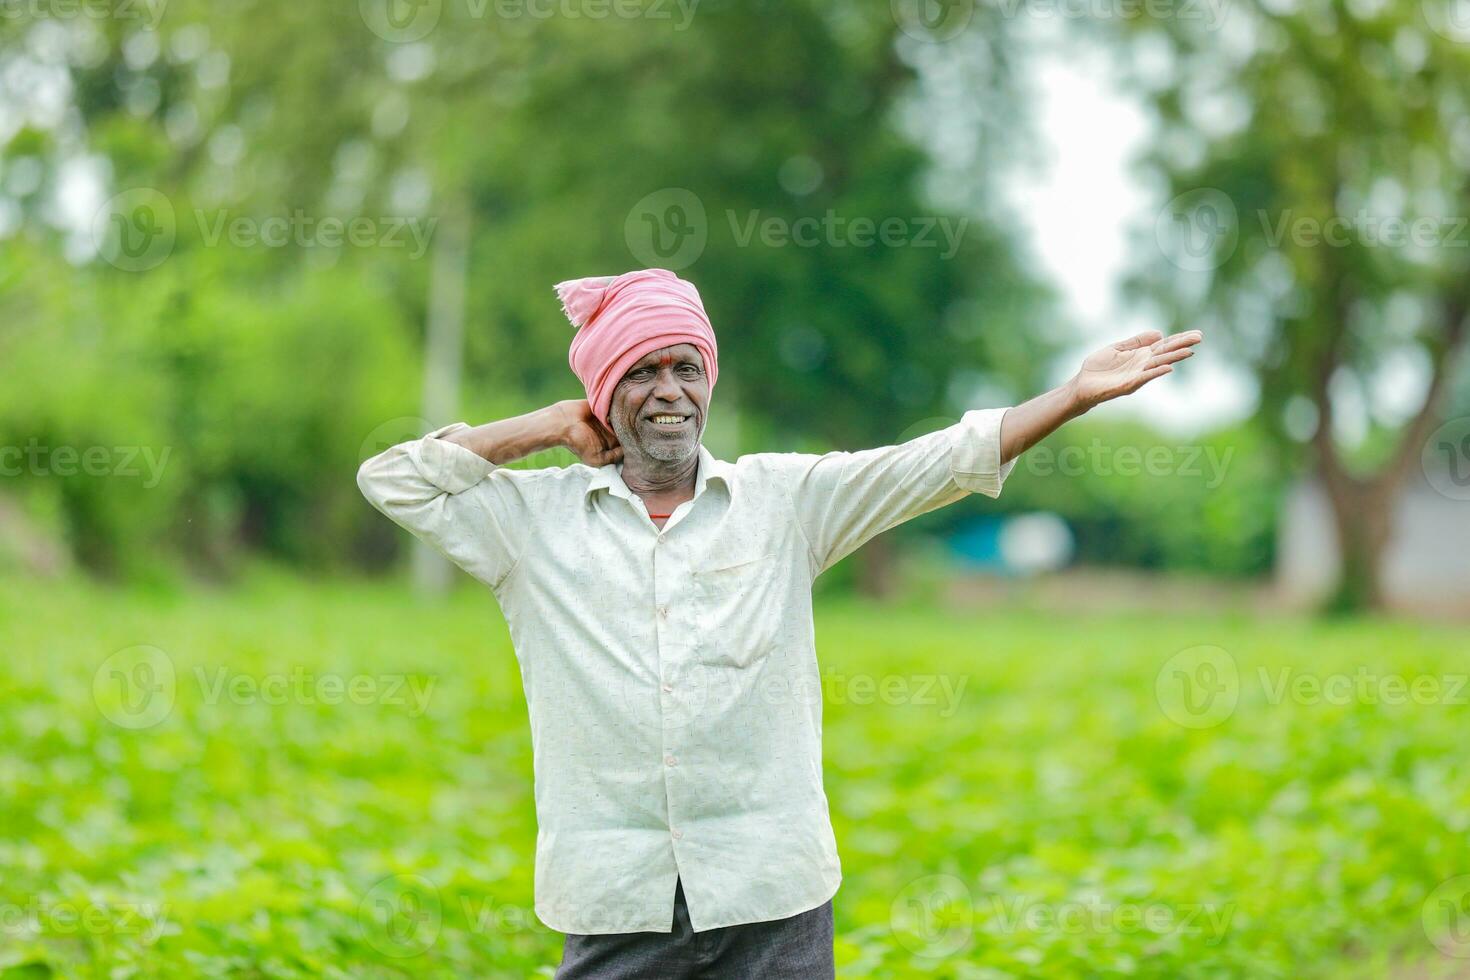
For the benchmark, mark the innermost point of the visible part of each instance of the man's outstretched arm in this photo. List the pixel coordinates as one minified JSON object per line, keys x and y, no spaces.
{"x":1117,"y":370}
{"x":842,"y":499}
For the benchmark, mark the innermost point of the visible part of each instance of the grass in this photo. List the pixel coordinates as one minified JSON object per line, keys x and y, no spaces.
{"x":1016,"y":794}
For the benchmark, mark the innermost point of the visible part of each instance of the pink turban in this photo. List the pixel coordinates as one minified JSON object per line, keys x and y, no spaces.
{"x":619,"y":319}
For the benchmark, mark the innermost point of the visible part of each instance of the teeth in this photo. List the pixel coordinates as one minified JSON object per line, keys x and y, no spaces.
{"x":669,"y":419}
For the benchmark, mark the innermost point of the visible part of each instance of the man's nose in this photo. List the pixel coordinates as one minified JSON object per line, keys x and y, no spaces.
{"x":666,"y":388}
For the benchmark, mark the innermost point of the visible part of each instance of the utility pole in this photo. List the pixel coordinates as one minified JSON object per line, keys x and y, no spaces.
{"x":443,"y":362}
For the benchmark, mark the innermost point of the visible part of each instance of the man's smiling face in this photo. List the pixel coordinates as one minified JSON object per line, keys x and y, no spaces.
{"x":658,"y":408}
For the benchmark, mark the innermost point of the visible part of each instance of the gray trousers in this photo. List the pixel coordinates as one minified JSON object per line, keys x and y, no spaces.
{"x":797,"y":948}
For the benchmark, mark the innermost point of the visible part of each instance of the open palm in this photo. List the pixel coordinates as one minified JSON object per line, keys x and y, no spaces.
{"x":1124,"y":367}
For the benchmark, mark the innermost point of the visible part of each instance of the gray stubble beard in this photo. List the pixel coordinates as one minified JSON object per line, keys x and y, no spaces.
{"x":664,"y":452}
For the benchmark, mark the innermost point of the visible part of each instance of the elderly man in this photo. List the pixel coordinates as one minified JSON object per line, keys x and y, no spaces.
{"x":659,"y":601}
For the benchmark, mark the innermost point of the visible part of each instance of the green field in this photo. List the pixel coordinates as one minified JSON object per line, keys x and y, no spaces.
{"x":336,"y":781}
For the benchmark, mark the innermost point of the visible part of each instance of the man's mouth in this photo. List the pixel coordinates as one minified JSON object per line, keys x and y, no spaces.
{"x":667,"y":419}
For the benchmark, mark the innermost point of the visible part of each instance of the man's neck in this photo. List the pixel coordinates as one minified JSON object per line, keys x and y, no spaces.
{"x":662,"y":484}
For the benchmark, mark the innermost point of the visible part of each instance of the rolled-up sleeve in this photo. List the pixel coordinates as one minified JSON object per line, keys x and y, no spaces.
{"x":471,"y":510}
{"x":975,"y":452}
{"x":843,"y":499}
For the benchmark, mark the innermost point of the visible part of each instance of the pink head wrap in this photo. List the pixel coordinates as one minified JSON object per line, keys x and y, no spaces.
{"x":619,"y":319}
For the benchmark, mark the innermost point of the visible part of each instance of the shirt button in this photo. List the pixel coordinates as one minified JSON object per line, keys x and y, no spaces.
{"x":678,"y":834}
{"x":663,"y":611}
{"x":668,"y":689}
{"x":670,"y":761}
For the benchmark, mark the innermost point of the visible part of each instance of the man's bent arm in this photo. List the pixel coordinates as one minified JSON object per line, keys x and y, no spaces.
{"x":566,"y":423}
{"x":508,"y":440}
{"x":452,"y":497}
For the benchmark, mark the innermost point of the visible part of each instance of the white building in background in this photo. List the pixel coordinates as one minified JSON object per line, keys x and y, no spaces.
{"x":1427,"y":564}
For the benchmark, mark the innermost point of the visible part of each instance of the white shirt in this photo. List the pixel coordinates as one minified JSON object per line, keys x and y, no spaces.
{"x":671,"y":675}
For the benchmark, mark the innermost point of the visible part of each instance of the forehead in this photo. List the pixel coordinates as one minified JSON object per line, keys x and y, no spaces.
{"x":674,"y":354}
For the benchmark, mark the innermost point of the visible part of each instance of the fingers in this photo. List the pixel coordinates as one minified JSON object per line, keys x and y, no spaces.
{"x":1138,"y":340}
{"x":603,"y":457}
{"x":1188,"y":338}
{"x":1152,"y":373}
{"x":1170,"y":357}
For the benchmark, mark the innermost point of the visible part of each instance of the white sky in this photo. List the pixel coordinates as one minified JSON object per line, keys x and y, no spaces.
{"x":1078,"y":209}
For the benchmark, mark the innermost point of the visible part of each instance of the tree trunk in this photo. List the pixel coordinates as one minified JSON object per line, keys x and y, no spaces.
{"x":1362,"y":515}
{"x":877,"y":575}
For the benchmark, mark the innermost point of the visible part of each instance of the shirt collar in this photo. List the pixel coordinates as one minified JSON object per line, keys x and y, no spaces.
{"x":610,"y":477}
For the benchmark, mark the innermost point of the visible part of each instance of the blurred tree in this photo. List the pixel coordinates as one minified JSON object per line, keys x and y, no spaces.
{"x":1318,"y":160}
{"x":770,"y":144}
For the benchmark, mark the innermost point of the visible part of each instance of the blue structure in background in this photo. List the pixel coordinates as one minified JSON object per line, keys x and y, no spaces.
{"x":975,"y":545}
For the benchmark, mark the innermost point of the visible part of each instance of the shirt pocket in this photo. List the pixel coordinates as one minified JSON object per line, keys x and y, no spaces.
{"x":738,"y":600}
